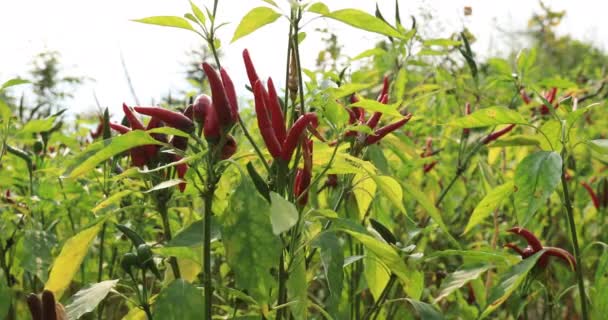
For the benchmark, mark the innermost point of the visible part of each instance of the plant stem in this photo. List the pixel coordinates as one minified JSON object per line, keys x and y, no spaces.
{"x":164,"y":214}
{"x":577,"y":251}
{"x":208,"y":198}
{"x":385,"y":292}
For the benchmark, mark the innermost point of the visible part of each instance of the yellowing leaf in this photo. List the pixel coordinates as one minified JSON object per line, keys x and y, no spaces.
{"x":68,"y":262}
{"x":490,"y":202}
{"x":364,"y":190}
{"x":253,"y":20}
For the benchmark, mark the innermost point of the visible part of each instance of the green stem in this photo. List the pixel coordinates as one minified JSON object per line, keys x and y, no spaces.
{"x":208,"y":198}
{"x":577,"y":251}
{"x":164,"y":214}
{"x":145,"y":304}
{"x":377,"y":305}
{"x":282,"y":286}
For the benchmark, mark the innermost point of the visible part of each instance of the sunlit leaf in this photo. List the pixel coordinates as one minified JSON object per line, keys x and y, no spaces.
{"x":87,"y":299}
{"x":253,"y":20}
{"x":167,"y":21}
{"x":180,"y":300}
{"x":68,"y":262}
{"x":491,"y":116}
{"x":459,"y":278}
{"x":489,"y":203}
{"x":364,"y":21}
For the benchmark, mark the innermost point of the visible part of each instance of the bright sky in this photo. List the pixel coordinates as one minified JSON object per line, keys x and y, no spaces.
{"x":90,"y":35}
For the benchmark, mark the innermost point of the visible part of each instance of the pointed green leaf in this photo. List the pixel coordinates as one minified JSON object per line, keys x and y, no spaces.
{"x":332,"y":260}
{"x":13,"y":82}
{"x":425,"y":311}
{"x":167,"y":21}
{"x":68,"y":262}
{"x":253,"y":20}
{"x":200,"y":16}
{"x":97,"y":153}
{"x":459,"y":278}
{"x":364,"y":21}
{"x":491,"y":116}
{"x":87,"y":299}
{"x":375,"y":106}
{"x":37,"y":125}
{"x":599,"y":145}
{"x":510,"y":281}
{"x":390,"y":188}
{"x":536,"y":177}
{"x":180,"y":300}
{"x":489,"y":203}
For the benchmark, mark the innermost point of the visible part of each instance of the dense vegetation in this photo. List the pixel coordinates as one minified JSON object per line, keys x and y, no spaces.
{"x":422,"y":183}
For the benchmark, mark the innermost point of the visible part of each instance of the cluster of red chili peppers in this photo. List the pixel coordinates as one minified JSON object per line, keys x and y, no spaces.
{"x":599,"y":197}
{"x":544,"y":108}
{"x":534,"y":246}
{"x":280,"y":141}
{"x":357,"y":116}
{"x":216,"y":115}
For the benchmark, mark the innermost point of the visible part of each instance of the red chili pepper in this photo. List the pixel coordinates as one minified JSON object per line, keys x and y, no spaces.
{"x":231,"y":94}
{"x":211,"y":128}
{"x":382,"y":132}
{"x":189,"y":112}
{"x":119,"y":128}
{"x":428,"y":151}
{"x":251,"y":74}
{"x":550,"y":97}
{"x":384,"y":92}
{"x":220,"y":100}
{"x":98,"y":130}
{"x":264,"y":123}
{"x":229,"y":149}
{"x":332,"y":180}
{"x":170,"y":118}
{"x":181,"y":170}
{"x":304,"y":176}
{"x":156,"y":123}
{"x":592,"y":194}
{"x":276,"y":114}
{"x":524,"y":96}
{"x":535,"y":246}
{"x":467,"y":111}
{"x":134,"y":122}
{"x":180,"y":143}
{"x":375,"y":118}
{"x":359,"y":112}
{"x":294,"y":134}
{"x":497,"y":134}
{"x":200,"y":108}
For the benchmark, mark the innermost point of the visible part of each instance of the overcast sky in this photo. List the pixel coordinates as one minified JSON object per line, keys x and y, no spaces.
{"x":91,"y":35}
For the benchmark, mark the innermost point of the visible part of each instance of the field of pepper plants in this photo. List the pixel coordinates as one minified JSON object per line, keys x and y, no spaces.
{"x":413,"y":180}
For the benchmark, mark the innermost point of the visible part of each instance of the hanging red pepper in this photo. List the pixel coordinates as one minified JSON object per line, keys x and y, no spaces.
{"x":251,"y":74}
{"x":170,"y":118}
{"x":534,"y":246}
{"x":524,"y":96}
{"x":276,"y":113}
{"x":231,"y":94}
{"x":428,"y":151}
{"x":382,"y":132}
{"x":304,"y":176}
{"x":229,"y":149}
{"x":295,"y":133}
{"x":181,"y":170}
{"x":497,"y":134}
{"x":264,"y":122}
{"x":201,"y":107}
{"x":139,"y":155}
{"x":134,"y":122}
{"x":592,"y":194}
{"x":550,"y":97}
{"x":221,"y":103}
{"x":467,"y":111}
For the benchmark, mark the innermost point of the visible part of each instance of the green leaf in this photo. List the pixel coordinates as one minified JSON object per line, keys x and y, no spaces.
{"x":390,"y":188}
{"x":516,"y":141}
{"x":198,"y":12}
{"x":489,"y":203}
{"x":253,"y":20}
{"x":164,"y":185}
{"x":115,"y":198}
{"x":332,"y":260}
{"x":13,"y":82}
{"x":5,"y":112}
{"x":475,"y":256}
{"x":318,"y":7}
{"x":441,"y":42}
{"x":459,"y":278}
{"x":37,"y":125}
{"x":510,"y":281}
{"x":348,"y":89}
{"x":552,"y":130}
{"x":425,"y":311}
{"x":97,"y":153}
{"x":364,"y":21}
{"x":36,"y":254}
{"x":376,"y":274}
{"x":297,"y":287}
{"x":252,"y":249}
{"x":5,"y":295}
{"x":536,"y":177}
{"x":373,"y":105}
{"x":486,"y":117}
{"x":193,"y":234}
{"x":599,"y":145}
{"x":180,"y":300}
{"x":68,"y":262}
{"x":430,"y":208}
{"x":335,"y":113}
{"x":167,"y":21}
{"x":392,"y":260}
{"x":283,"y":214}
{"x":87,"y":299}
